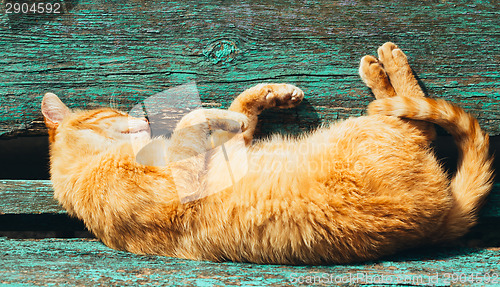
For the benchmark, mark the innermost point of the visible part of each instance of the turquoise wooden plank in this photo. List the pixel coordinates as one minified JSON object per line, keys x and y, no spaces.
{"x":27,"y":197}
{"x":119,"y":53}
{"x":72,"y":262}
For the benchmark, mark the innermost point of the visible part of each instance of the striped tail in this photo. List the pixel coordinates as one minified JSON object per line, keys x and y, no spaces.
{"x":474,"y":177}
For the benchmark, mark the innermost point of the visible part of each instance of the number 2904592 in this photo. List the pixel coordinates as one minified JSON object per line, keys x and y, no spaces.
{"x":32,"y":8}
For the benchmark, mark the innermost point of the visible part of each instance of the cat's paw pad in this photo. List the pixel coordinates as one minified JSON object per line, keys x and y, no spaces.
{"x":283,"y":95}
{"x":392,"y":58}
{"x":371,"y":71}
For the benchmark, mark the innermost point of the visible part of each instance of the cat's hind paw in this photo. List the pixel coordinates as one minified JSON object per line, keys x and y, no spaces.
{"x":394,"y":61}
{"x":395,"y":64}
{"x":371,"y":72}
{"x":374,"y":76}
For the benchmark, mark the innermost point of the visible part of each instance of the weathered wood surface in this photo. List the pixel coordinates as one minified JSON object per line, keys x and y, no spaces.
{"x":36,"y":196}
{"x":90,"y":263}
{"x":120,"y":52}
{"x":27,"y":197}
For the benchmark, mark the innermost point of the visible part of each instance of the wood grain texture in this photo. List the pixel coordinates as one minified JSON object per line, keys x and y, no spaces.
{"x":117,"y":53}
{"x":36,"y":196}
{"x":27,"y":197}
{"x":89,"y":263}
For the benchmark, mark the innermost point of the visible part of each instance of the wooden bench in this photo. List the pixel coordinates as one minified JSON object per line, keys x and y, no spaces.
{"x":117,"y":53}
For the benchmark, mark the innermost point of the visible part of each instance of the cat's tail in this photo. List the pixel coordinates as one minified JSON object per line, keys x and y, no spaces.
{"x":474,"y":177}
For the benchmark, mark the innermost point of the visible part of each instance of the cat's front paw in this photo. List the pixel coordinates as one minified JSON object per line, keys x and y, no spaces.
{"x":224,"y":126}
{"x":282,"y":96}
{"x":226,"y":120}
{"x":241,"y":119}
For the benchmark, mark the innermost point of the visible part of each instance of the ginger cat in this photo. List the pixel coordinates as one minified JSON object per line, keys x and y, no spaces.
{"x":354,"y":191}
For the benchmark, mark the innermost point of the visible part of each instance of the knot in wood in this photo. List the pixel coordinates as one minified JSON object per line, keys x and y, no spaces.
{"x":221,"y":51}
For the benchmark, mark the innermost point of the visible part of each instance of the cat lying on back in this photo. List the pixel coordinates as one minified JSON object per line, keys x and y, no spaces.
{"x":364,"y":188}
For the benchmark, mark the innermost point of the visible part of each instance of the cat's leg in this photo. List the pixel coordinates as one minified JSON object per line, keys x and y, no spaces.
{"x":405,"y":84}
{"x":264,"y":96}
{"x":373,"y":75}
{"x":391,"y":76}
{"x":395,"y":64}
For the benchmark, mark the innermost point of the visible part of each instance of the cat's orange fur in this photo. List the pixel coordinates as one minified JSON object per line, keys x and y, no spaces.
{"x":354,"y":191}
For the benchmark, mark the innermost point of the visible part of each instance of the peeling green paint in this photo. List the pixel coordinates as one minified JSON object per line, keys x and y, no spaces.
{"x":88,"y":262}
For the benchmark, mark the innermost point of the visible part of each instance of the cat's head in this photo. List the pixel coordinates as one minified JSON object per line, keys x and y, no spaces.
{"x":92,"y":130}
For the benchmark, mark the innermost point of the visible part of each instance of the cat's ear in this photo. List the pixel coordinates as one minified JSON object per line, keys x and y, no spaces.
{"x":53,"y":110}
